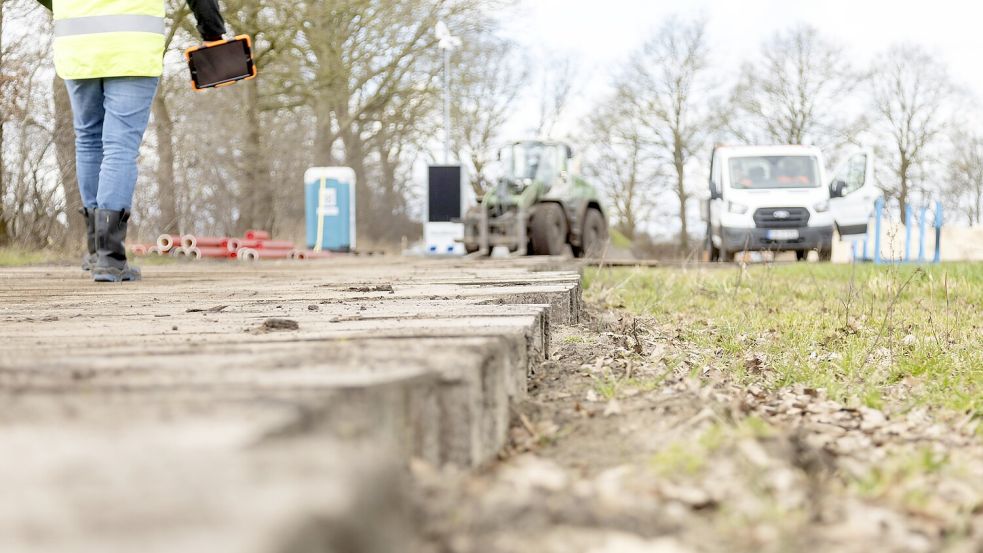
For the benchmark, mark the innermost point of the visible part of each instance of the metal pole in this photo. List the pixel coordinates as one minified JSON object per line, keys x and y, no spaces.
{"x":878,"y":213}
{"x":921,"y":234}
{"x":907,"y":233}
{"x":447,"y":106}
{"x":938,"y":232}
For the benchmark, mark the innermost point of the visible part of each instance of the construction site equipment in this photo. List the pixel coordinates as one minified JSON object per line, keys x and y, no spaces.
{"x":925,"y":216}
{"x":200,"y":252}
{"x":255,"y":245}
{"x":167,"y":241}
{"x":539,"y":206}
{"x":329,"y":194}
{"x":192,"y":241}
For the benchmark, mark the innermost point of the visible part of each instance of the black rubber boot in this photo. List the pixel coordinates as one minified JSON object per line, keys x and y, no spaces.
{"x":90,"y":258}
{"x":111,"y":249}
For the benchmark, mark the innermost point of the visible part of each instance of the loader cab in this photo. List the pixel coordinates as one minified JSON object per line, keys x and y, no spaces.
{"x":535,"y":161}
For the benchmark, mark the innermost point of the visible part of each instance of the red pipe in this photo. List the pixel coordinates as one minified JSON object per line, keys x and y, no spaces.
{"x":167,"y":241}
{"x":243,"y":243}
{"x":257,"y":235}
{"x":139,"y":249}
{"x":209,"y":252}
{"x":276,"y":245}
{"x":250,"y":254}
{"x":192,"y":241}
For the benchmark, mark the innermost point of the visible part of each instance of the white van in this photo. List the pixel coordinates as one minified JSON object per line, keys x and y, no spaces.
{"x":778,"y":198}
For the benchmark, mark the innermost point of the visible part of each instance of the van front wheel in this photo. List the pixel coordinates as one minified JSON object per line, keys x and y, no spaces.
{"x":712,"y":252}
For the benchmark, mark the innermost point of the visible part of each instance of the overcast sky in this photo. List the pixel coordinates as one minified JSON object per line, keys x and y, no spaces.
{"x":602,"y":33}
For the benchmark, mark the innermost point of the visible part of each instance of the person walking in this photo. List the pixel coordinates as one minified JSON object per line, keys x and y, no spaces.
{"x":111,"y":55}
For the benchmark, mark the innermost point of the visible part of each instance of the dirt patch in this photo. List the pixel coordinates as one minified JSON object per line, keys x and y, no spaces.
{"x":629,"y":443}
{"x":216,"y":309}
{"x":275,"y":325}
{"x":375,"y":288}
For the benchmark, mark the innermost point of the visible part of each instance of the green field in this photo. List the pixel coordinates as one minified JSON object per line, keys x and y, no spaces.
{"x":890,"y":337}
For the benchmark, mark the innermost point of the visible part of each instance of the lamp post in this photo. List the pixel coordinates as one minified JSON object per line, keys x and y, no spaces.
{"x":447,"y":43}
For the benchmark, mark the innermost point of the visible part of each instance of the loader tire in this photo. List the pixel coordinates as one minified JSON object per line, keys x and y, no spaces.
{"x":594,"y":235}
{"x":548,"y":230}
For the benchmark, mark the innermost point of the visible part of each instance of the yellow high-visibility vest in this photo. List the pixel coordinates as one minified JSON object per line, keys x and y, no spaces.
{"x":109,"y":38}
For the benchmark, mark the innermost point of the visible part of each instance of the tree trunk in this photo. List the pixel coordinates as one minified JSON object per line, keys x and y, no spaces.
{"x":324,"y":138}
{"x":166,"y":186}
{"x":64,"y":139}
{"x":903,"y":188}
{"x":4,"y":236}
{"x":679,"y":163}
{"x":979,"y":203}
{"x":258,"y":205}
{"x":355,"y":158}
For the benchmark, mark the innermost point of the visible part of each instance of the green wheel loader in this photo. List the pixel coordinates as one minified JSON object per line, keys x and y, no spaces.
{"x":538,"y":207}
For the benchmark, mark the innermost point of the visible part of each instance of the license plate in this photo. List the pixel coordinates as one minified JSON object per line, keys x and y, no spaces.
{"x":792,"y":234}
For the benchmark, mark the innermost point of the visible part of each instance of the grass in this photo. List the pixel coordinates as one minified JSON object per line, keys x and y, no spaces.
{"x":15,"y":257}
{"x":896,"y":336}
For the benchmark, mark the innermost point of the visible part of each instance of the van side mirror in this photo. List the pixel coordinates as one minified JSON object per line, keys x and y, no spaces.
{"x":837,"y":188}
{"x":715,"y":192}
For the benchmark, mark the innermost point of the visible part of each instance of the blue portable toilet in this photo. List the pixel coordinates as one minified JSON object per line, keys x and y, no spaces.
{"x":330,"y":206}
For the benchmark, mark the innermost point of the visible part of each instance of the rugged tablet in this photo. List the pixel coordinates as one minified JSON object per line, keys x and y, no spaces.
{"x":221,"y":63}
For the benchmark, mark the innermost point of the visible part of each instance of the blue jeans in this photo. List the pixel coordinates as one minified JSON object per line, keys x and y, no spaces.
{"x":110,"y":117}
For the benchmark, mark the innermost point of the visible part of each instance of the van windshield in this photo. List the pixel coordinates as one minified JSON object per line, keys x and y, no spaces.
{"x":763,"y":172}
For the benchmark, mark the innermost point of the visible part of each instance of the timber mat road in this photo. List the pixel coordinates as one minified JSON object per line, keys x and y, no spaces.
{"x":268,"y":408}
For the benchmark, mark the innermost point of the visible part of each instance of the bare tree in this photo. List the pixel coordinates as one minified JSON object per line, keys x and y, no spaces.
{"x":163,"y":123}
{"x":64,"y":140}
{"x":619,"y":161}
{"x":490,"y":80}
{"x":911,"y":89}
{"x":351,"y":82}
{"x":796,"y":92}
{"x":5,"y":82}
{"x":558,"y":81}
{"x":964,"y":189}
{"x":667,"y":81}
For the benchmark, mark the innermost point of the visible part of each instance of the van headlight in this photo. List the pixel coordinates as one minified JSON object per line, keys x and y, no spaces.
{"x":821,"y":207}
{"x":737,"y":208}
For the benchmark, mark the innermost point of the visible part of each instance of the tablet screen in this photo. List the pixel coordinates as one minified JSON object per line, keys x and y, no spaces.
{"x":222,"y":63}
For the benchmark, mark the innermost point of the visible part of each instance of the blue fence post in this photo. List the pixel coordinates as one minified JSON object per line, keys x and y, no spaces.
{"x":907,"y":233}
{"x":878,"y":213}
{"x":938,"y":232}
{"x":921,"y":234}
{"x":854,"y":249}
